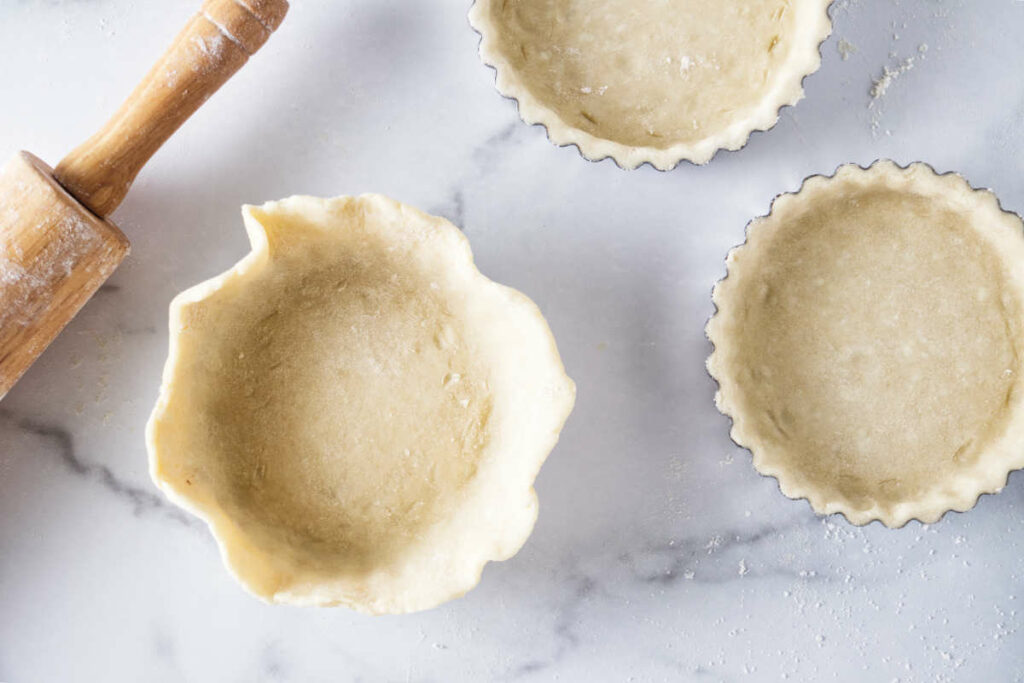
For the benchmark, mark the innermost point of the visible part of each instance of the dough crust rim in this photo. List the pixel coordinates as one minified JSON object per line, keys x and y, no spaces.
{"x":454,"y":574}
{"x":593,"y":148}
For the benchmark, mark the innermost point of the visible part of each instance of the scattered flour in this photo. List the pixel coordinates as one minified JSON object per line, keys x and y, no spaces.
{"x":845,"y":48}
{"x":880,"y":86}
{"x":889,"y":74}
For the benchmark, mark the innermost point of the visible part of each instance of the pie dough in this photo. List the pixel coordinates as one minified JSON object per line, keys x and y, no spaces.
{"x":868,"y":343}
{"x":355,"y":410}
{"x":651,"y":80}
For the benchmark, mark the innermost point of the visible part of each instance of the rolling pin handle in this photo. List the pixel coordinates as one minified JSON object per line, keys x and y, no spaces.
{"x":212,"y":46}
{"x":54,"y":254}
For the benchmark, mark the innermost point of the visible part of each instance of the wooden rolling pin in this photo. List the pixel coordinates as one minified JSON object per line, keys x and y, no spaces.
{"x":56,"y":245}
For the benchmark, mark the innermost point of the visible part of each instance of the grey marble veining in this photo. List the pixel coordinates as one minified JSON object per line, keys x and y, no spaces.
{"x":659,"y":554}
{"x":61,"y":443}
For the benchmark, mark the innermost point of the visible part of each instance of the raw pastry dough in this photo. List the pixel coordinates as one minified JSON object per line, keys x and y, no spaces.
{"x":651,"y":80}
{"x":868,"y":343}
{"x":357,"y":412}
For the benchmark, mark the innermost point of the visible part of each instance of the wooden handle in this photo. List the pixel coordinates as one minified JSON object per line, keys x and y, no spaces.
{"x":57,"y":249}
{"x":212,"y":46}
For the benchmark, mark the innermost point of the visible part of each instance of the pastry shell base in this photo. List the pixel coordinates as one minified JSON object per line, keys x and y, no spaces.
{"x":651,"y":81}
{"x":868,"y":342}
{"x":356,"y":412}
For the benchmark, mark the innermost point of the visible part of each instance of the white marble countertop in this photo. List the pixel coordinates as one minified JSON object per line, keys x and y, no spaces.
{"x":659,"y":554}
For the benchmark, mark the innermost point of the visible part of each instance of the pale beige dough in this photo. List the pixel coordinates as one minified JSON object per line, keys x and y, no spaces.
{"x":868,"y":343}
{"x":652,"y":80}
{"x":355,"y":409}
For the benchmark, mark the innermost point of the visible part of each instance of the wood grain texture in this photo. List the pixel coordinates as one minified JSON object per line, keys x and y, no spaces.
{"x":214,"y":44}
{"x":56,"y":246}
{"x":53,"y":256}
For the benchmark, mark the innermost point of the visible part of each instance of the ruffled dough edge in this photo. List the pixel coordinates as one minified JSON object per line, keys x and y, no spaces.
{"x":817,"y":27}
{"x":1003,"y":229}
{"x":503,"y":526}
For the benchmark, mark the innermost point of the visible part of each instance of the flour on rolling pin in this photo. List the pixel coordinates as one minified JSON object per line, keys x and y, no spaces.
{"x":49,"y":248}
{"x":56,"y":246}
{"x":211,"y":46}
{"x":29,"y":265}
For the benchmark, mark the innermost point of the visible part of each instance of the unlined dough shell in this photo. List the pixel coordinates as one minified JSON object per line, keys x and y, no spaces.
{"x":868,"y":342}
{"x":653,"y":81}
{"x":355,"y":410}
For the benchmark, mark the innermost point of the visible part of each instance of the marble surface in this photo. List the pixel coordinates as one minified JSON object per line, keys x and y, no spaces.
{"x":659,"y":553}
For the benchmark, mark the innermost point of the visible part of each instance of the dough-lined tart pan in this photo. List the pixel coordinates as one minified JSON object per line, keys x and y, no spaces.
{"x":868,"y":343}
{"x":355,"y":410}
{"x":654,"y":81}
